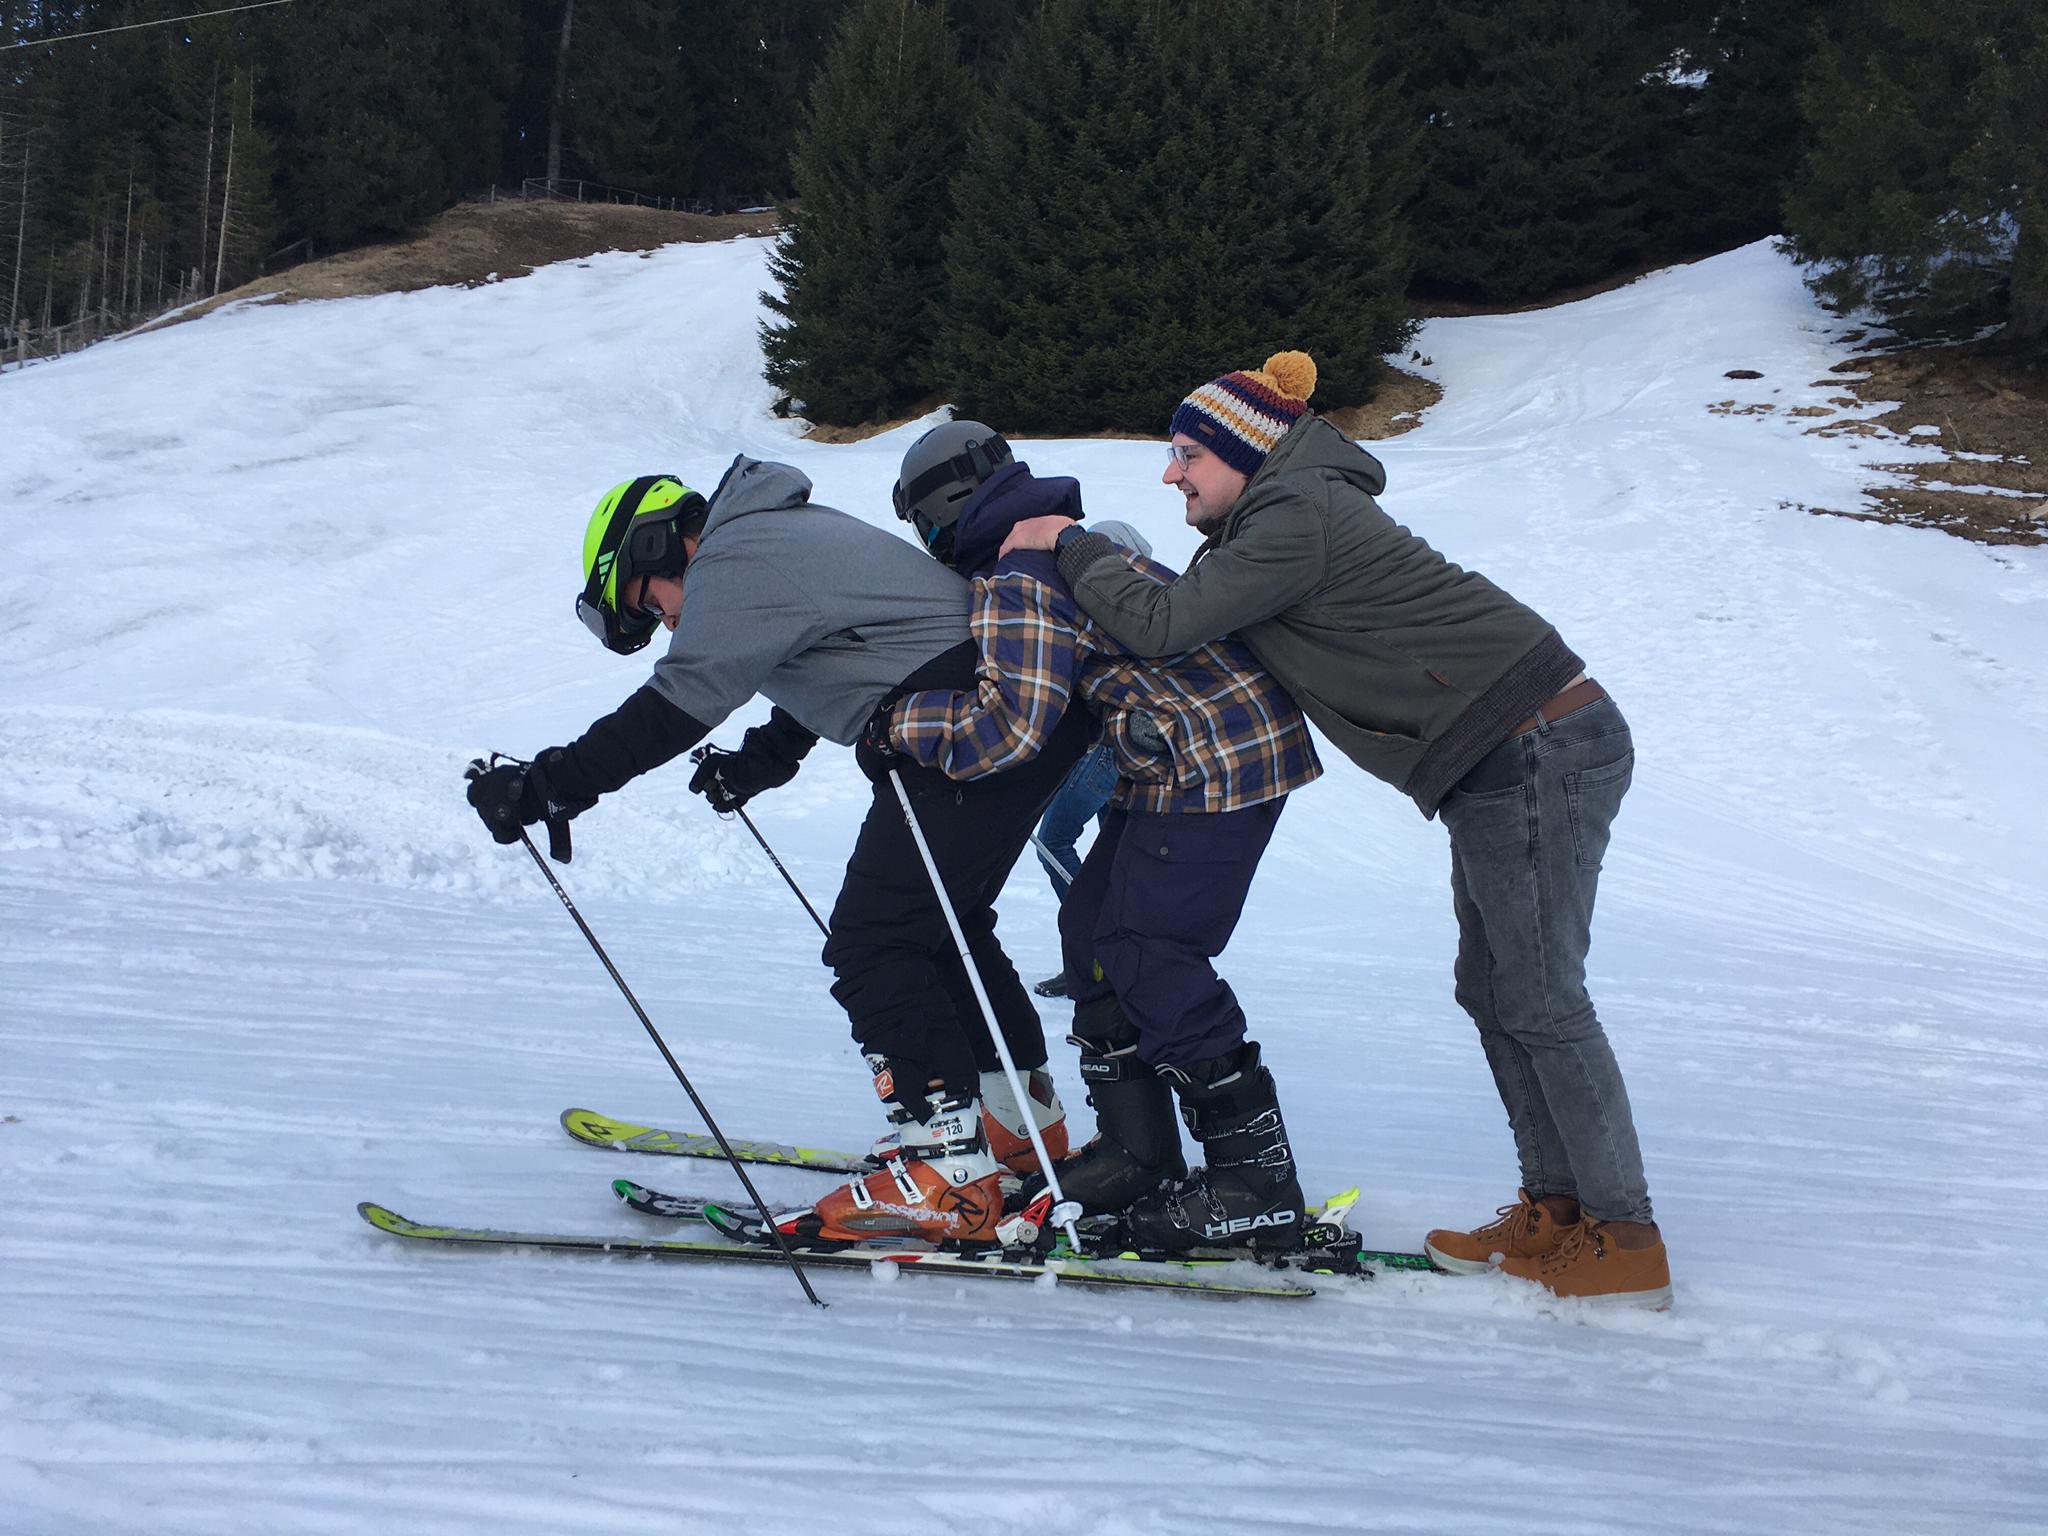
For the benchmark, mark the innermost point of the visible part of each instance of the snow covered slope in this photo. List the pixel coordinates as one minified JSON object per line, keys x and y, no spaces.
{"x":268,"y":579}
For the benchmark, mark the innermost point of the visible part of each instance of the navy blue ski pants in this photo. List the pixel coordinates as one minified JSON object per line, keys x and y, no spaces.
{"x":1155,"y":903}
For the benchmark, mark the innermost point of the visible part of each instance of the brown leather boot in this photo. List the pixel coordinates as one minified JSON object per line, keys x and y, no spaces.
{"x":1587,"y":1262}
{"x":1525,"y":1230}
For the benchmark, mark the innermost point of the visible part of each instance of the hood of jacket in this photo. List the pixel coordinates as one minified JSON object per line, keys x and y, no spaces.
{"x":1312,"y":447}
{"x":755,"y":485}
{"x":1002,"y":501}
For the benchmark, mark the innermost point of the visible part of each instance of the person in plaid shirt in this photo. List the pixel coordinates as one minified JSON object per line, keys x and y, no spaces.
{"x":1207,"y":747}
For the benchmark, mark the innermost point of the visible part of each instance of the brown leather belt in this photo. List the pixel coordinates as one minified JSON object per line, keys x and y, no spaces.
{"x":1578,"y":696}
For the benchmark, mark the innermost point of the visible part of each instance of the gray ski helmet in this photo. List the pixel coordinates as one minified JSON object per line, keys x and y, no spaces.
{"x":942,"y":469}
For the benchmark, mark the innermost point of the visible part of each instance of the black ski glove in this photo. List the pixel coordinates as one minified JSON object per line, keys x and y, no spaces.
{"x":875,"y":754}
{"x":514,"y":795}
{"x":768,"y":757}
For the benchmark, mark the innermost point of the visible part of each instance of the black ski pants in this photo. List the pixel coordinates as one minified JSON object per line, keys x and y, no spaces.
{"x":899,"y":975}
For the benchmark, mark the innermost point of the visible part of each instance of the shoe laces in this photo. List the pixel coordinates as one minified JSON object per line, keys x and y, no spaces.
{"x":1574,"y":1241}
{"x":1513,"y":1220}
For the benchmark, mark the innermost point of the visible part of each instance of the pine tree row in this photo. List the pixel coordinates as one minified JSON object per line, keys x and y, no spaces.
{"x":1142,"y":191}
{"x":150,"y":166}
{"x":1049,"y":209}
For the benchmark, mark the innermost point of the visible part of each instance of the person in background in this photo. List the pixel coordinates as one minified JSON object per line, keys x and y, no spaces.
{"x":1084,"y":796}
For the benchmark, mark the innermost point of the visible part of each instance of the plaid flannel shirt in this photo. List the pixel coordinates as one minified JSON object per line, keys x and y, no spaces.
{"x":1229,"y":735}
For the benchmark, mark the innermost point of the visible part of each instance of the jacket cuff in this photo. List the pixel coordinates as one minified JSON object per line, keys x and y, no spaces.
{"x":1081,"y":550}
{"x":786,"y":736}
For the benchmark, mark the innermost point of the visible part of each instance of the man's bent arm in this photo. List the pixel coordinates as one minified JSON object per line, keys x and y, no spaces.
{"x":640,"y":735}
{"x":1274,"y":561}
{"x":1029,"y":650}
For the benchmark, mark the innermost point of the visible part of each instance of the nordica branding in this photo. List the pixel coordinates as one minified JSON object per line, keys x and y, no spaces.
{"x":1249,"y":1223}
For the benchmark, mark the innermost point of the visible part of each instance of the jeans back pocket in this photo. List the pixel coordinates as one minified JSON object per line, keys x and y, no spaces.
{"x":1592,"y":796}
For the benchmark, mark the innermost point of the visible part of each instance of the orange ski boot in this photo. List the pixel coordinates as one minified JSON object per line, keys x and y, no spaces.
{"x":1009,"y":1138}
{"x":938,"y":1184}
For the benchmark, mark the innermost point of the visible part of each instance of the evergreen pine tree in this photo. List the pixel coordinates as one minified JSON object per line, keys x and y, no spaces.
{"x":1156,"y":193}
{"x":860,"y":258}
{"x":1544,"y":122}
{"x":629,"y":113}
{"x":1740,"y":131}
{"x":750,"y":64}
{"x":1927,"y":175}
{"x":369,"y":142}
{"x":487,"y":50}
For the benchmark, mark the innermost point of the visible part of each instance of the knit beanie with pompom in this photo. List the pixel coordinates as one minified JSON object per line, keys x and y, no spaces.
{"x":1240,"y":416}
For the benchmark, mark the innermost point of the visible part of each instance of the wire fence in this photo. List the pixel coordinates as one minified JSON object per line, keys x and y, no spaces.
{"x":26,"y":341}
{"x":560,"y":190}
{"x":567,"y":190}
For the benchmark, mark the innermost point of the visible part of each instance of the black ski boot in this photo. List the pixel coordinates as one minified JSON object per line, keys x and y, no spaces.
{"x":1247,"y":1196}
{"x":1137,"y":1139}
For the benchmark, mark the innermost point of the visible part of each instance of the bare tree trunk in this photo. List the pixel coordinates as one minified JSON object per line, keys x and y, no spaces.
{"x":206,"y":188}
{"x":127,"y":230}
{"x":85,"y":277}
{"x":561,"y":91}
{"x":20,"y":238}
{"x":227,"y":185}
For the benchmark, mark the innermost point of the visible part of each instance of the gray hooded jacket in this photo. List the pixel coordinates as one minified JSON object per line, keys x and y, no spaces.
{"x":819,"y":611}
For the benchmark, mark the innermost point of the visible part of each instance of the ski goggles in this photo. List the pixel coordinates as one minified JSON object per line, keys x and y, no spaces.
{"x":623,"y":633}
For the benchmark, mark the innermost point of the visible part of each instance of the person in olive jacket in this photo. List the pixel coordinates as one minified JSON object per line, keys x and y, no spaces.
{"x":1435,"y":680}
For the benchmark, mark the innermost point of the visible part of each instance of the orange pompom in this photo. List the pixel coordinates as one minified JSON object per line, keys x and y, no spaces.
{"x":1292,"y":373}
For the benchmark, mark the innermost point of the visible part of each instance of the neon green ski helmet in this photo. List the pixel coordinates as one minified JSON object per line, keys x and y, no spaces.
{"x":635,"y":531}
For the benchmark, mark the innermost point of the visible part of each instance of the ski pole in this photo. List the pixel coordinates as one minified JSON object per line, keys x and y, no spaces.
{"x":1064,"y":1213}
{"x":1062,"y":874}
{"x":698,"y":756}
{"x":781,"y":1240}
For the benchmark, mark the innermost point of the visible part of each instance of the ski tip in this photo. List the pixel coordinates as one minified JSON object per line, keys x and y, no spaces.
{"x":589,"y":1125}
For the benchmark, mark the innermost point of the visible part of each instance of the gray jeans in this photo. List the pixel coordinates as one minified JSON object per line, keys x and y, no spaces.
{"x":1529,"y":827}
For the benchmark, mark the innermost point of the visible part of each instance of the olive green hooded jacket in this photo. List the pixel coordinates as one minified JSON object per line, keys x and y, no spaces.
{"x":1413,"y":667}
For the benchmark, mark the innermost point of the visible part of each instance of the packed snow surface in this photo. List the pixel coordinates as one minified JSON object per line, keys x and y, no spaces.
{"x":268,"y":579}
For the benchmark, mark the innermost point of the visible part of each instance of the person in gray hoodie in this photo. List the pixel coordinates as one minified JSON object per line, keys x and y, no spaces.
{"x":1436,"y":681}
{"x":832,"y":619}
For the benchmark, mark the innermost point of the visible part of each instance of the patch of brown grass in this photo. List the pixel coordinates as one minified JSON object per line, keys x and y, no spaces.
{"x":825,"y":432}
{"x":473,"y":243}
{"x":1986,"y":406}
{"x":1398,"y":408}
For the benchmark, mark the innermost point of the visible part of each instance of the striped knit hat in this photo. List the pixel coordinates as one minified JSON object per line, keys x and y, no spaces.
{"x":1240,"y":416}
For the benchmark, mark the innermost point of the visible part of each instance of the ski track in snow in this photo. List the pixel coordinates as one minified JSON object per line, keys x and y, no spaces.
{"x":257,"y":963}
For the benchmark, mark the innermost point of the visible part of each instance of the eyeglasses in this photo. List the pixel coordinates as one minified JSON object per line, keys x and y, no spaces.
{"x":648,"y":610}
{"x":1183,"y":454}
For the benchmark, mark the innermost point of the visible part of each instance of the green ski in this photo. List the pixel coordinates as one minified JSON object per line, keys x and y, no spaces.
{"x":595,"y":1130}
{"x":1094,"y":1274}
